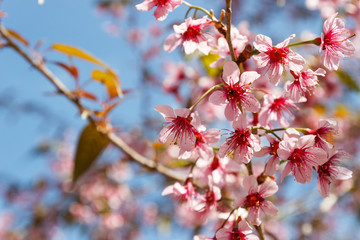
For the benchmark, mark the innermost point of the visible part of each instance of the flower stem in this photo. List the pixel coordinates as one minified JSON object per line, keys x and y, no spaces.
{"x":314,"y":41}
{"x":199,"y":8}
{"x":228,"y":29}
{"x":205,"y":94}
{"x":272,"y":131}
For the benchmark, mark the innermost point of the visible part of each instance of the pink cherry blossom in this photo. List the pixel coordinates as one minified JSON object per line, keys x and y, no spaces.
{"x":304,"y":82}
{"x":301,"y":156}
{"x":330,"y":171}
{"x":180,"y":127}
{"x":325,"y":133}
{"x":238,"y":41}
{"x":335,"y":42}
{"x":241,"y":142}
{"x":184,"y":193}
{"x":273,"y":163}
{"x":189,"y":34}
{"x":255,"y":201}
{"x":236,"y":91}
{"x":274,"y":109}
{"x":274,"y":59}
{"x":241,"y":232}
{"x":216,"y":170}
{"x":163,"y":7}
{"x":202,"y":144}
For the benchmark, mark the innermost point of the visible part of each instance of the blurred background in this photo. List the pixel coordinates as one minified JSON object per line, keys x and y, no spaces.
{"x":118,"y":199}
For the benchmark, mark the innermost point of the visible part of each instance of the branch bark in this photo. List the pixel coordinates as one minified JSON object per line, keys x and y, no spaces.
{"x":114,"y":139}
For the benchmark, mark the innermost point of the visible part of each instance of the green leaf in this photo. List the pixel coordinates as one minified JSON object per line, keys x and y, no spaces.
{"x":91,"y":144}
{"x":348,"y":80}
{"x":206,"y":60}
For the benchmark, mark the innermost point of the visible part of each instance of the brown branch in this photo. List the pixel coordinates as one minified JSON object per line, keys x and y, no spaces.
{"x":260,"y":230}
{"x":228,"y":29}
{"x":114,"y":139}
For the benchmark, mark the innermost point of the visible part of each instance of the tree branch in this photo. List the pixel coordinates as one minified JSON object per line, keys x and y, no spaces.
{"x":114,"y":139}
{"x":228,"y":29}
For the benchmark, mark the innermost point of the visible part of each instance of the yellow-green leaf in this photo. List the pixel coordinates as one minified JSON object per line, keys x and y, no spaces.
{"x":110,"y":80}
{"x":76,"y":52}
{"x":206,"y":60}
{"x":90,"y":145}
{"x":348,"y":80}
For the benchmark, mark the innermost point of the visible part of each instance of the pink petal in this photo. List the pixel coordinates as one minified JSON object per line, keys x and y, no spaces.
{"x":231,"y":73}
{"x":285,"y":42}
{"x":286,"y":171}
{"x":316,"y":156}
{"x":261,"y":60}
{"x":285,"y":150}
{"x":231,"y":113}
{"x":164,"y":134}
{"x":250,"y":103}
{"x":254,"y":216}
{"x":190,"y":47}
{"x":268,"y":208}
{"x":268,"y":188}
{"x":306,"y":141}
{"x":302,"y":174}
{"x":240,"y":122}
{"x":248,"y":77}
{"x":172,"y":42}
{"x":342,"y":173}
{"x":161,"y":13}
{"x":323,"y":185}
{"x":217,"y":97}
{"x":272,"y":165}
{"x":147,"y":5}
{"x":182,"y":112}
{"x":166,"y":111}
{"x":262,"y":43}
{"x":250,"y":184}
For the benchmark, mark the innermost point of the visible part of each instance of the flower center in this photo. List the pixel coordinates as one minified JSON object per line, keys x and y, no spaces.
{"x":278,"y":55}
{"x":278,"y":104}
{"x":191,"y":33}
{"x":240,"y":138}
{"x":323,"y":170}
{"x":161,"y":2}
{"x":237,"y":235}
{"x":273,"y":148}
{"x":297,"y":157}
{"x":181,"y":127}
{"x":234,"y":93}
{"x":215,"y":163}
{"x":253,"y":200}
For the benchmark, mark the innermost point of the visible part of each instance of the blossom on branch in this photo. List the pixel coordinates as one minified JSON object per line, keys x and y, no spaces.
{"x":163,"y":7}
{"x":330,"y":171}
{"x":242,"y":232}
{"x":189,"y":34}
{"x":235,"y":93}
{"x":180,"y":128}
{"x":302,"y":156}
{"x":255,"y":201}
{"x":241,"y":142}
{"x":304,"y":82}
{"x":275,"y":58}
{"x":335,"y":42}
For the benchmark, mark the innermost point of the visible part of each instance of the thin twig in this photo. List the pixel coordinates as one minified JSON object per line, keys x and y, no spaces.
{"x":228,"y":29}
{"x":114,"y":139}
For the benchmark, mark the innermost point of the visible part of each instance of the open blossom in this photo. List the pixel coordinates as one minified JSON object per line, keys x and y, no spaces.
{"x":184,"y":193}
{"x":275,"y":58}
{"x":273,"y":163}
{"x":202,"y":143}
{"x":241,"y":142}
{"x":190,"y":35}
{"x":335,"y":42}
{"x":301,"y":155}
{"x":236,"y":91}
{"x":304,"y":82}
{"x":163,"y":7}
{"x":255,"y":201}
{"x":274,"y":110}
{"x":238,"y":42}
{"x":325,"y":133}
{"x":331,"y":171}
{"x":180,"y":128}
{"x":241,"y":232}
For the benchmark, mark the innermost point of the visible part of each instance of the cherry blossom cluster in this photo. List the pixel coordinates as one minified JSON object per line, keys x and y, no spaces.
{"x":259,"y":99}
